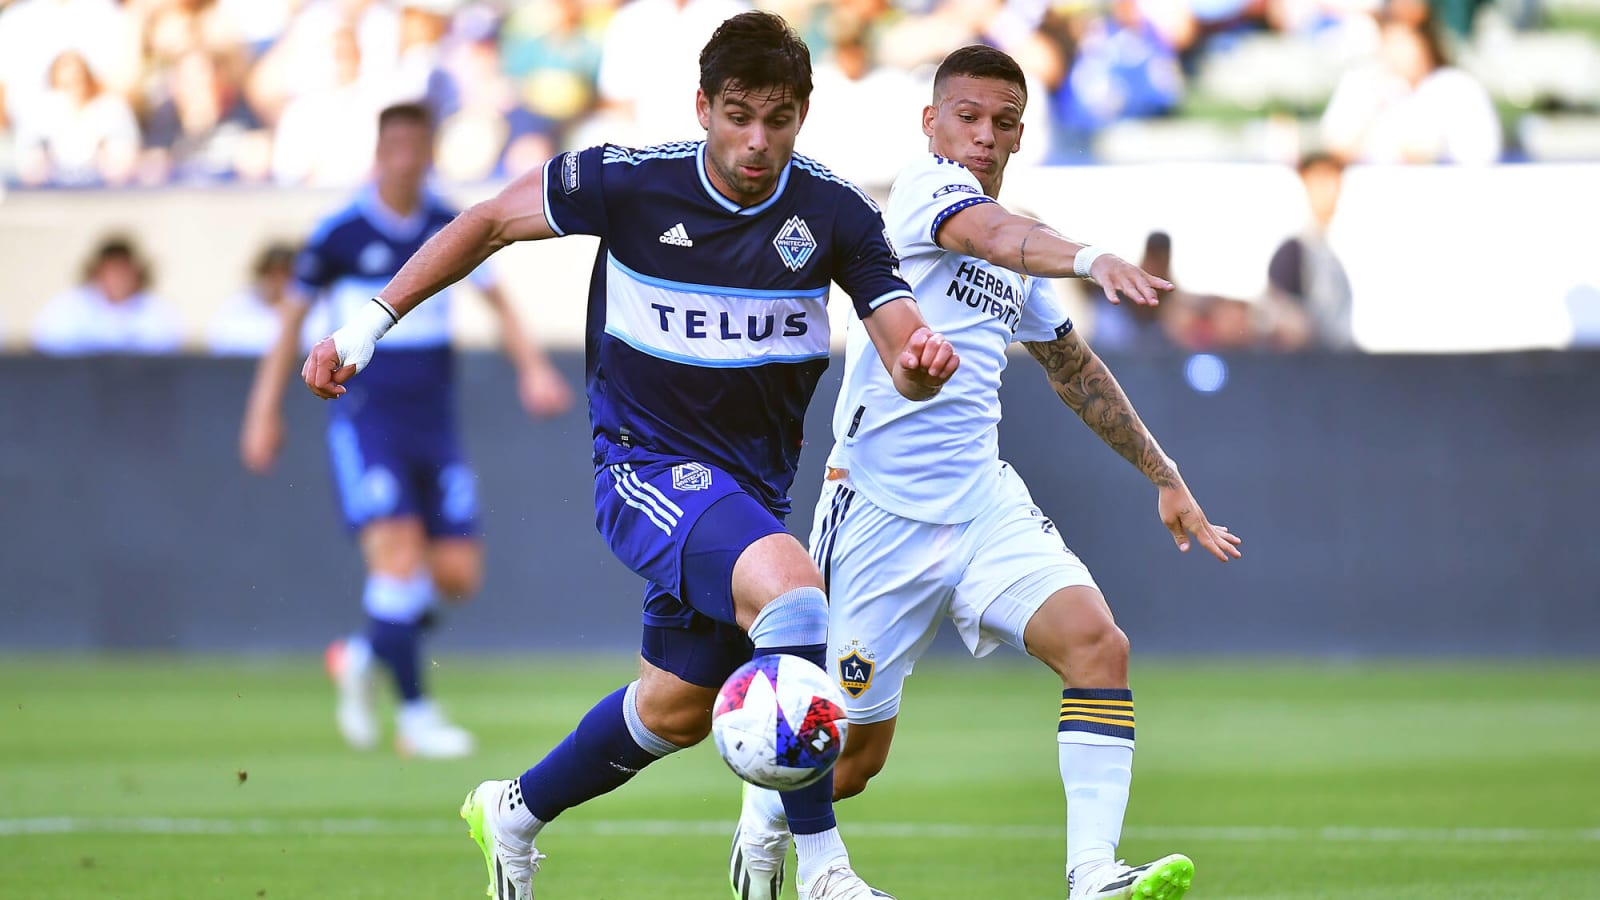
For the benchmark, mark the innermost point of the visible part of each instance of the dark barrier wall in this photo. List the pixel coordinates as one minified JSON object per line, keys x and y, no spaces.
{"x":1390,"y":505}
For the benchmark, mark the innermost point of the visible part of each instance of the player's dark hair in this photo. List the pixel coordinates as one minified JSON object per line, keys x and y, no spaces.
{"x":980,"y":61}
{"x":409,"y":113}
{"x":755,"y":50}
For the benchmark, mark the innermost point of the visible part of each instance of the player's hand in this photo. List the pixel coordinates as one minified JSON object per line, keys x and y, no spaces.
{"x":1120,"y":278}
{"x":259,"y":441}
{"x":544,"y":392}
{"x":1184,"y":517}
{"x":325,"y":372}
{"x":927,"y":362}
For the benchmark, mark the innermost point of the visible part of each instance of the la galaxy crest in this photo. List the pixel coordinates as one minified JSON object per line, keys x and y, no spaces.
{"x":855,"y":669}
{"x":795,"y":243}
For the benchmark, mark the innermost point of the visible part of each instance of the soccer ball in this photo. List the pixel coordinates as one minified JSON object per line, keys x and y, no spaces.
{"x":779,"y":722}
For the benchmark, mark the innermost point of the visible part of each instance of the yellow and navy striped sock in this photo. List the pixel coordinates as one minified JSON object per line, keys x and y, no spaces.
{"x":1104,"y":711}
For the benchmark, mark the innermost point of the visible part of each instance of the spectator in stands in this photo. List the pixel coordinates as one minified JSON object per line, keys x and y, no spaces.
{"x":1308,"y":298}
{"x":491,"y":134}
{"x":846,"y":81}
{"x":251,"y":320}
{"x":1122,"y":68}
{"x":325,"y":138}
{"x":34,"y":32}
{"x":112,"y":311}
{"x":1140,"y":327}
{"x":554,"y":56}
{"x":644,"y":92}
{"x":1410,"y":106}
{"x":204,"y":131}
{"x":78,"y":134}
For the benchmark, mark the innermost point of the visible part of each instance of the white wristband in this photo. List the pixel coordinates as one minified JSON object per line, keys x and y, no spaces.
{"x":1085,"y":258}
{"x":357,"y":340}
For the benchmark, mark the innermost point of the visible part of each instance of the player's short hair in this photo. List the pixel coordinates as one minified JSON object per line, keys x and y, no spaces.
{"x":756,"y":50}
{"x":407,"y":113}
{"x":980,"y":61}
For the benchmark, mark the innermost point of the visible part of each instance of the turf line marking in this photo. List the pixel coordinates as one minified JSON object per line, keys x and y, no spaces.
{"x":909,"y":831}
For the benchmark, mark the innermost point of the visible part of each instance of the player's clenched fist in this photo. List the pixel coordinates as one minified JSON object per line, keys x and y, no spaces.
{"x":338,"y":357}
{"x":927,"y":362}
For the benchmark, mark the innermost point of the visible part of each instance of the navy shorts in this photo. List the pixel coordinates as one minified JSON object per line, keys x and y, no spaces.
{"x":681,"y":526}
{"x":385,"y":469}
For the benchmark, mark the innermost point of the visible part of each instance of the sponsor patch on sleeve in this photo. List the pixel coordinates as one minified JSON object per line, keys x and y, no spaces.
{"x":954,"y":189}
{"x":569,"y":172}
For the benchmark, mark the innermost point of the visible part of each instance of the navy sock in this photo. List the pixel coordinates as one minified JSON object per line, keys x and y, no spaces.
{"x":398,"y":646}
{"x":598,"y":757}
{"x":801,"y":613}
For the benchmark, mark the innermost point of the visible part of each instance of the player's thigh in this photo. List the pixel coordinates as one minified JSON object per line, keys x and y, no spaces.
{"x":457,"y":566}
{"x":372,"y":478}
{"x":1018,"y":563}
{"x":889,"y":587}
{"x":672,"y":708}
{"x":682,"y":526}
{"x":395,"y":546}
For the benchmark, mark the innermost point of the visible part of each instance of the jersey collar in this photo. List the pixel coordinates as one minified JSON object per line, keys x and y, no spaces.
{"x":393,"y":225}
{"x":729,"y":205}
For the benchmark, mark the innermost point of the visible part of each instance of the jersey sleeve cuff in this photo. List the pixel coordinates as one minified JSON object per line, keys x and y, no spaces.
{"x":885,"y":298}
{"x":952,"y":209}
{"x":549,"y":214}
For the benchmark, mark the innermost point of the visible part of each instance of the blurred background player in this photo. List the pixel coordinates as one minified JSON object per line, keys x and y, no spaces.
{"x":404,"y":484}
{"x":697,"y":392}
{"x":248,"y":322}
{"x":920,"y":519}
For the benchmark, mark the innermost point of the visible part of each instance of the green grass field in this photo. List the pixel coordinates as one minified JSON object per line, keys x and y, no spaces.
{"x":178,"y":778}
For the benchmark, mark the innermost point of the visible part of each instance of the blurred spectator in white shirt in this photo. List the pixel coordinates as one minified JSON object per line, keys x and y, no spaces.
{"x":647,"y":93}
{"x":248,"y":323}
{"x":33,"y":33}
{"x":848,"y":81}
{"x":1410,"y":106}
{"x":325,"y":138}
{"x":110,"y":312}
{"x":77,"y":134}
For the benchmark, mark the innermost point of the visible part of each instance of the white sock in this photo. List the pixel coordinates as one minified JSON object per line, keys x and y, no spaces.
{"x":1096,"y":778}
{"x":514,"y":813}
{"x":764,"y":807}
{"x":817,"y":852}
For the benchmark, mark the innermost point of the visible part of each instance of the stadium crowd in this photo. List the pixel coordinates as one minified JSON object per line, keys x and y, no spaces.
{"x":152,"y":92}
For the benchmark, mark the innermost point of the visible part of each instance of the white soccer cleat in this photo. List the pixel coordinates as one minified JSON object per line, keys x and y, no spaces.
{"x":1168,"y":878}
{"x":840,"y":882}
{"x":424,"y":732}
{"x":755,"y":866}
{"x":512,"y":862}
{"x":349,"y":664}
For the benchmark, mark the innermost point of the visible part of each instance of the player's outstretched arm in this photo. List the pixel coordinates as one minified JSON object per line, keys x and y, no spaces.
{"x":1085,"y":384}
{"x":919,"y":360}
{"x":1022,"y":244}
{"x":261,"y":434}
{"x":515,"y":214}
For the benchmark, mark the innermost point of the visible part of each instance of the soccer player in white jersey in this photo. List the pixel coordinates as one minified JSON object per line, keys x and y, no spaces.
{"x":708,"y":332}
{"x":919,"y":519}
{"x":406,"y":489}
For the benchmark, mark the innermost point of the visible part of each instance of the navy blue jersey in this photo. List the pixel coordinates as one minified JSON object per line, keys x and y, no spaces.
{"x":707,"y":325}
{"x":350,"y":256}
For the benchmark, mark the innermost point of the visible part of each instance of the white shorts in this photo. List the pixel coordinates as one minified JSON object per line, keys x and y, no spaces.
{"x":892,"y":580}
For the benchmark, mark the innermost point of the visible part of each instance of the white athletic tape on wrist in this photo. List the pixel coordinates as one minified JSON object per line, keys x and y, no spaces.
{"x":358,"y":339}
{"x":1084,"y":259}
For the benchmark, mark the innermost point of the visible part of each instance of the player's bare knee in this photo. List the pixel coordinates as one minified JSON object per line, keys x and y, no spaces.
{"x":457,"y":586}
{"x":682,"y":727}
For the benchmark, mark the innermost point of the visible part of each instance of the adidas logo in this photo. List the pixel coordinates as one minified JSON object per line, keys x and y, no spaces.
{"x":676,"y":236}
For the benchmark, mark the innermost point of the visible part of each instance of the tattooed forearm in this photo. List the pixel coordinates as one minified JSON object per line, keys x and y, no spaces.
{"x":1022,"y":252}
{"x":1088,"y":388}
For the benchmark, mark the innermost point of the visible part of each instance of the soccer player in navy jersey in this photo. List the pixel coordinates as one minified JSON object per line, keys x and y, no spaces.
{"x":406,"y":490}
{"x":707,"y":335}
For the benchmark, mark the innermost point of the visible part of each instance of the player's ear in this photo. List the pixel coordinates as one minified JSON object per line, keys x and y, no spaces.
{"x":804,"y":109}
{"x":929,"y":113}
{"x":702,"y":108}
{"x":1018,"y":145}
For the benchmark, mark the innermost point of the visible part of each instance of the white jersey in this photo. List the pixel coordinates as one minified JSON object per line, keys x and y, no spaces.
{"x":938,"y":461}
